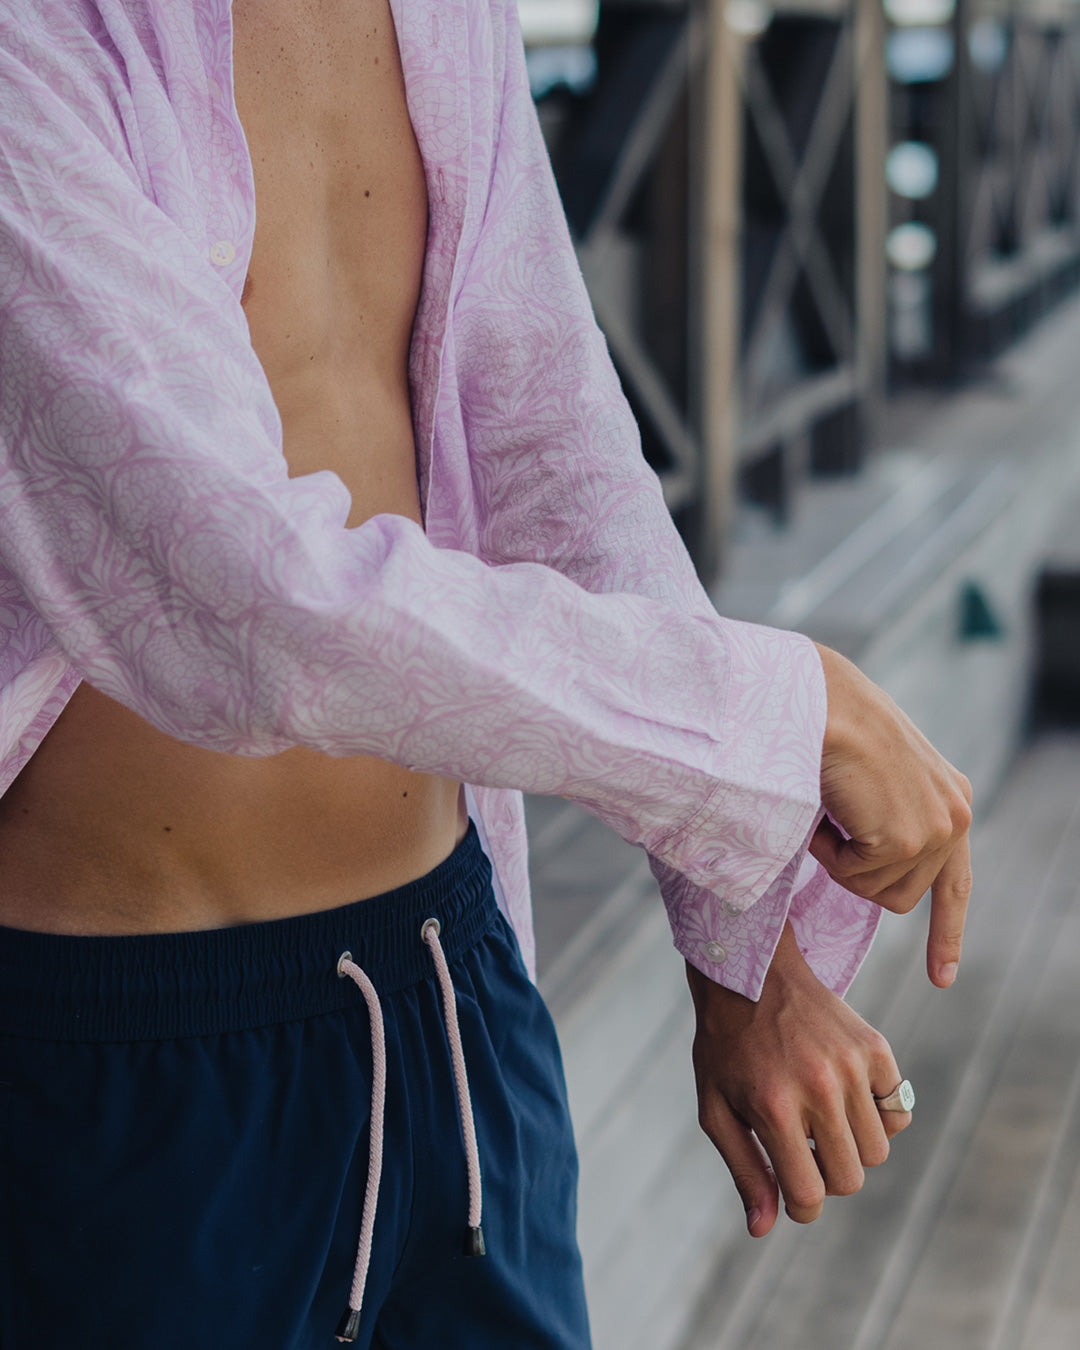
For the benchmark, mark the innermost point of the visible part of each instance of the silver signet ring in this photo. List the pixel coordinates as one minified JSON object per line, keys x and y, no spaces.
{"x":901,"y":1098}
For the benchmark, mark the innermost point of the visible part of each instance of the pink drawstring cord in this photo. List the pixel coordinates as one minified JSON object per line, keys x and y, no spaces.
{"x":474,"y":1234}
{"x":349,"y":1326}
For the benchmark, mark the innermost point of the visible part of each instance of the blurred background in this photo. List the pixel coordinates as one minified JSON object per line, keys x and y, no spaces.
{"x":835,"y":248}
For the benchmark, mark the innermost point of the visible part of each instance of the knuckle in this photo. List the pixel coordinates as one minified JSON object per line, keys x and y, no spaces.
{"x":847,"y":1182}
{"x":745,"y":1181}
{"x":804,"y":1200}
{"x":767,"y":1102}
{"x":819,"y":1077}
{"x":940,"y":832}
{"x":876,"y":1152}
{"x":879,"y":1049}
{"x":948,"y":947}
{"x":709,"y":1122}
{"x":710,"y":1116}
{"x":883,"y":1068}
{"x":743,"y":1177}
{"x":849,"y":1064}
{"x":959,"y":886}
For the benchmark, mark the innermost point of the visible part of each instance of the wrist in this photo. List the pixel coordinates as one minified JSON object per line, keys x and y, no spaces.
{"x":845,"y":696}
{"x":716,"y":1003}
{"x":788,"y":964}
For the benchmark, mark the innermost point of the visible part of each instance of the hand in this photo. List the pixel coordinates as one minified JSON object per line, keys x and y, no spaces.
{"x":903,"y":811}
{"x":796,"y":1066}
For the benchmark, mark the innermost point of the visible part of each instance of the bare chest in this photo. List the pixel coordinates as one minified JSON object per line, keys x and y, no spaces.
{"x":341,"y":227}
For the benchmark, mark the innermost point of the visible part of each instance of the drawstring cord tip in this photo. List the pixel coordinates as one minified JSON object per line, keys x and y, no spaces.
{"x":349,"y":1327}
{"x":474,"y":1242}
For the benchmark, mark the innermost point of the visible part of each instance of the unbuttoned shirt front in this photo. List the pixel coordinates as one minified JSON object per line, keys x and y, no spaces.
{"x":543,"y":631}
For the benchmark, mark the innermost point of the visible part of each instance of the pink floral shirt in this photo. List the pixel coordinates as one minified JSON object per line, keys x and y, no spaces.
{"x":544,"y":630}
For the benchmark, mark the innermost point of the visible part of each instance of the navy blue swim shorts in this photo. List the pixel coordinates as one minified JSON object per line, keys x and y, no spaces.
{"x":186,"y":1135}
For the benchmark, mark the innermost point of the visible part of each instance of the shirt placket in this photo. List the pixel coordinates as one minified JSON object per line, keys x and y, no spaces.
{"x":433,"y":42}
{"x":230,"y":209}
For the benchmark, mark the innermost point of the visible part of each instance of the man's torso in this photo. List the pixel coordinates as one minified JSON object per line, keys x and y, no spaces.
{"x":115,"y":827}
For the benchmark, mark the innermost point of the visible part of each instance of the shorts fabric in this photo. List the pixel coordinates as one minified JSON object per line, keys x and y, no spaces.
{"x":184,"y":1135}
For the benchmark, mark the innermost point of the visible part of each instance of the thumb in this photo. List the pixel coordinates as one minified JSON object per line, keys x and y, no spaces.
{"x":748,"y":1165}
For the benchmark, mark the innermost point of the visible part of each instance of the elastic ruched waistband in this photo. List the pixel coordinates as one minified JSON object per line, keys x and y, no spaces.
{"x":164,"y":985}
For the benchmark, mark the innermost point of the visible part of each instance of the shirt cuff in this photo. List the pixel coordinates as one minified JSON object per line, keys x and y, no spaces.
{"x":768,"y":738}
{"x":739,"y":869}
{"x":833,"y":928}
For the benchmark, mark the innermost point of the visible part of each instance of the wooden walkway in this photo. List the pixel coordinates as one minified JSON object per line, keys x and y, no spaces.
{"x":969,"y":1237}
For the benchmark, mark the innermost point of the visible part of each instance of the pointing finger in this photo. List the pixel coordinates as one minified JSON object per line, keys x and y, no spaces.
{"x":950,"y":894}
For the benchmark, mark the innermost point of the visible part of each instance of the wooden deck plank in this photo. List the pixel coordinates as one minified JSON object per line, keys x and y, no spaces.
{"x":964,"y":1291}
{"x":1053,"y":1319}
{"x":1044,"y":1234}
{"x":576,"y":863}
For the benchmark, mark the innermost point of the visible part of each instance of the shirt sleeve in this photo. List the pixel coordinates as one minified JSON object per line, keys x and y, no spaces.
{"x":561,"y":481}
{"x":147,"y":513}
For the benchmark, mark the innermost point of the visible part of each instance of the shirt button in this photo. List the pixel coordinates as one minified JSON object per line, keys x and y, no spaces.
{"x":732,"y":911}
{"x":222,"y":253}
{"x":716,"y":952}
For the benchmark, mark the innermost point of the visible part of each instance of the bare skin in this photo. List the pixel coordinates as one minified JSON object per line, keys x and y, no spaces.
{"x":114,"y":827}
